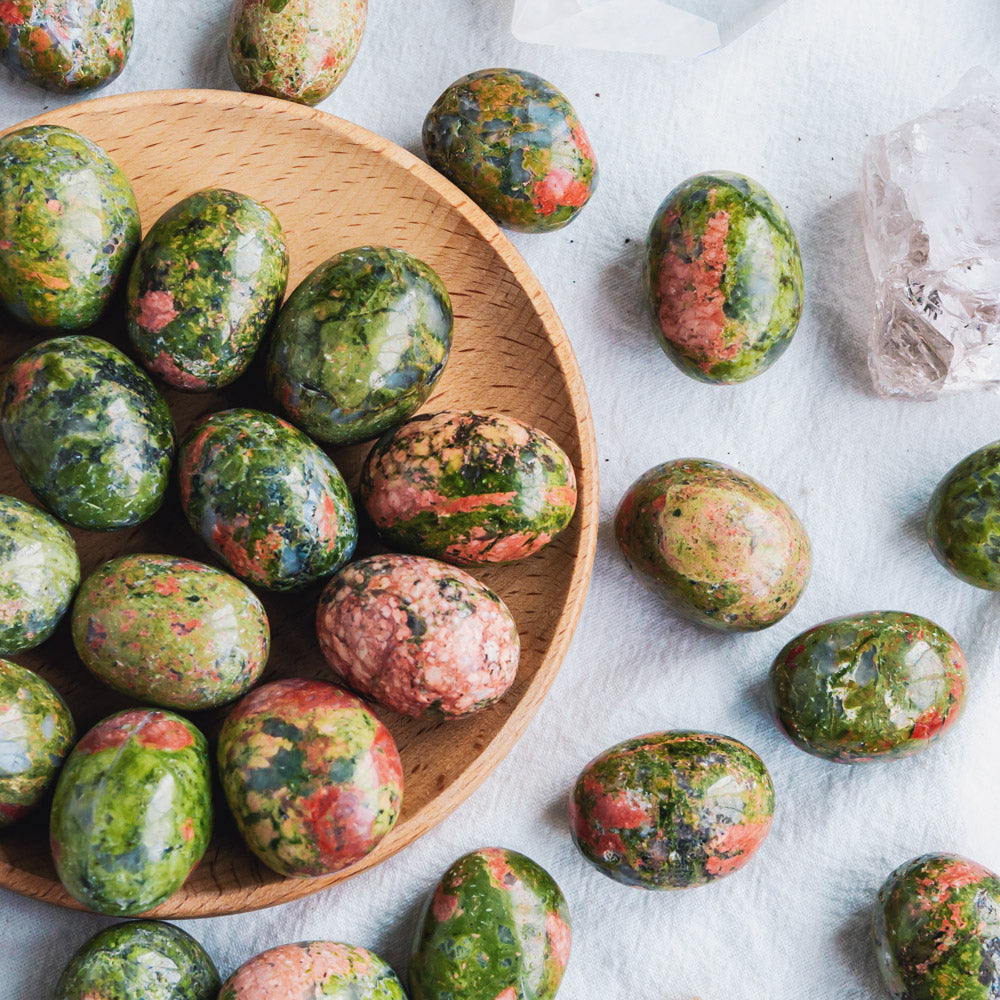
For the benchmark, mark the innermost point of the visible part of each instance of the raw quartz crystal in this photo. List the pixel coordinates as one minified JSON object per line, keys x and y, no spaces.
{"x":681,"y":28}
{"x":931,"y":200}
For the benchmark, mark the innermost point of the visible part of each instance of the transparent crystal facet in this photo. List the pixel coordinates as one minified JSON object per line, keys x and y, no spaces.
{"x":680,"y":28}
{"x":931,"y":200}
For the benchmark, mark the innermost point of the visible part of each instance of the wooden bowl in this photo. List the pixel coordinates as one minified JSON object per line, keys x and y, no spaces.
{"x":335,"y":186}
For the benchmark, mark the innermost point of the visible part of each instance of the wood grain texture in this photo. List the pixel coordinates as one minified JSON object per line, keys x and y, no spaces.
{"x":335,"y":186}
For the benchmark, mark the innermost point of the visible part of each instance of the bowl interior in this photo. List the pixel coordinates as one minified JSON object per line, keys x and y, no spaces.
{"x":334,"y":186}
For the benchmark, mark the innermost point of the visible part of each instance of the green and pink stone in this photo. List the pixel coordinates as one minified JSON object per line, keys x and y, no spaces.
{"x":468,"y":487}
{"x":299,"y":50}
{"x":721,"y":548}
{"x":513,"y":143}
{"x":132,"y":812}
{"x":873,"y":686}
{"x":937,"y":930}
{"x":671,"y":810}
{"x":170,"y":632}
{"x":36,"y":734}
{"x":317,"y":969}
{"x":496,"y":927}
{"x":418,"y":636}
{"x":312,"y":777}
{"x":723,"y":278}
{"x":206,"y":283}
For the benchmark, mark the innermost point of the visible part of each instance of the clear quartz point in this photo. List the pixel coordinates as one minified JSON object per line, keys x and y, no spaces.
{"x":931,"y":201}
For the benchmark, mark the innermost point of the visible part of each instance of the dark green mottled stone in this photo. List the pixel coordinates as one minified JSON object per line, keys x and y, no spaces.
{"x":937,"y":930}
{"x":204,"y":287}
{"x":36,"y":733}
{"x":140,"y":960}
{"x":39,"y":573}
{"x":170,"y":632}
{"x":311,"y":776}
{"x":296,"y":49}
{"x":88,"y":432}
{"x":67,"y":45}
{"x":513,"y":143}
{"x":314,"y":970}
{"x":266,"y":499}
{"x":723,"y":278}
{"x":360,"y":344}
{"x":132,"y":813}
{"x":468,"y":487}
{"x":718,"y":546}
{"x":879,"y":685}
{"x":963,"y":519}
{"x":672,"y":810}
{"x":69,"y":224}
{"x":497,"y":927}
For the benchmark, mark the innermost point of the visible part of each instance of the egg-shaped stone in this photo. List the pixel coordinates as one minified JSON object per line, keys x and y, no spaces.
{"x":468,"y":487}
{"x":496,"y":927}
{"x":170,"y":632}
{"x":723,"y":278}
{"x":88,"y":432}
{"x":140,"y":960}
{"x":324,"y":969}
{"x":296,"y":49}
{"x":418,"y":636}
{"x":721,"y":548}
{"x":67,"y":45}
{"x":963,"y":519}
{"x":69,"y":224}
{"x":39,"y":573}
{"x":673,"y":809}
{"x":265,"y":499}
{"x":937,"y":930}
{"x":360,"y":344}
{"x":36,"y":734}
{"x":513,"y":143}
{"x":206,"y":283}
{"x":132,"y":813}
{"x":311,"y":776}
{"x":879,"y":685}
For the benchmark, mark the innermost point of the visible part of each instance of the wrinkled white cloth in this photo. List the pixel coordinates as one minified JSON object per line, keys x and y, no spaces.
{"x":792,"y":103}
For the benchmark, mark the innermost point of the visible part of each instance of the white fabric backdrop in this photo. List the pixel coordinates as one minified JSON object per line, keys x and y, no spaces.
{"x":791,"y":103}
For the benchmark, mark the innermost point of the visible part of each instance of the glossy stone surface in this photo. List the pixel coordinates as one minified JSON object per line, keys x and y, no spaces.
{"x":267,"y":501}
{"x":36,"y":733}
{"x":721,"y":548}
{"x":67,"y":45}
{"x":417,"y":636}
{"x":673,"y":809}
{"x":963,"y":519}
{"x":867,"y":687}
{"x":937,"y":930}
{"x":513,"y":143}
{"x":206,"y":283}
{"x":723,"y":277}
{"x":468,"y":487}
{"x":170,"y":632}
{"x":39,"y":573}
{"x":930,"y":194}
{"x":132,"y":813}
{"x":360,"y":344}
{"x":88,"y":432}
{"x":69,"y":224}
{"x":496,"y":926}
{"x":314,"y":969}
{"x":140,"y":960}
{"x":296,"y":49}
{"x":311,"y":776}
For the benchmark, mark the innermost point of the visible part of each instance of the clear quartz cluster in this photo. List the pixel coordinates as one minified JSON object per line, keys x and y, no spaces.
{"x":931,"y":201}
